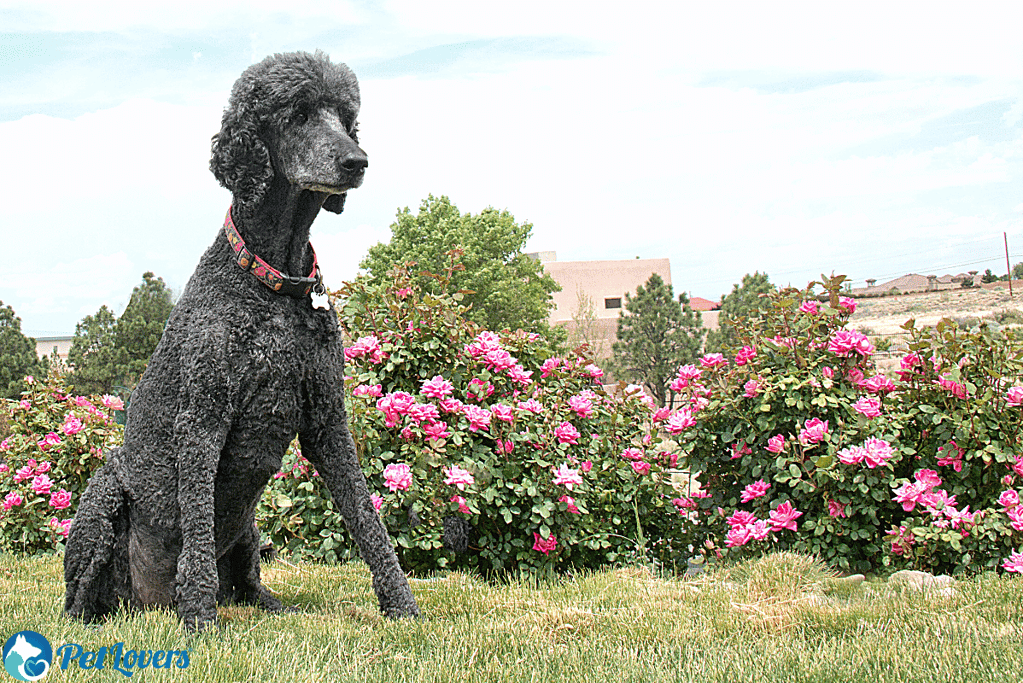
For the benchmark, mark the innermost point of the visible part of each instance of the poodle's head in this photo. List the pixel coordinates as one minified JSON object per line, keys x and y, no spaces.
{"x":291,"y":117}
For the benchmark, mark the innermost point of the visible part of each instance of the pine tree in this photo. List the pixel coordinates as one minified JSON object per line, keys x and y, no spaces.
{"x":657,"y":333}
{"x":17,"y":354}
{"x":110,"y":352}
{"x":743,"y":302}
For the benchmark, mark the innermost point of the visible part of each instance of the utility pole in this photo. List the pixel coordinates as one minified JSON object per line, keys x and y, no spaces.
{"x":1007,"y":266}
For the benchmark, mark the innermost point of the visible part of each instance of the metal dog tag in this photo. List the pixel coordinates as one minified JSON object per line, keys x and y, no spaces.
{"x":320,"y":301}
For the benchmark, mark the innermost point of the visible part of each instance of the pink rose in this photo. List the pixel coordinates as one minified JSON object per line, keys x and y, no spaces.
{"x":784,"y":517}
{"x":377,"y":501}
{"x":462,"y":507}
{"x":438,"y":387}
{"x":531,"y":406}
{"x":456,"y":476}
{"x":436,"y":430}
{"x":814,"y":431}
{"x":776,"y":444}
{"x":479,"y":418}
{"x":112,"y":402}
{"x":398,"y":477}
{"x":712,"y":360}
{"x":41,"y":484}
{"x":632,"y":454}
{"x":836,"y":509}
{"x":11,"y":500}
{"x":681,"y":420}
{"x":745,"y":355}
{"x":870,"y":407}
{"x":570,"y":503}
{"x":1014,"y":396}
{"x":49,"y":441}
{"x":582,"y":406}
{"x":60,"y":527}
{"x":1014,"y":563}
{"x":60,"y":499}
{"x":1008,"y":499}
{"x":544,"y":546}
{"x":566,"y":433}
{"x":567,"y":477}
{"x":809,"y":307}
{"x":372,"y":391}
{"x":754,"y":490}
{"x":641,"y":467}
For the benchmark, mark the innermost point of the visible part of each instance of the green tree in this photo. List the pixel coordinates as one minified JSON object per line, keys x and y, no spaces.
{"x":17,"y":354}
{"x":504,"y":287}
{"x":744,"y":301}
{"x":656,"y":334}
{"x":1017,"y":271}
{"x":108,"y":352}
{"x":988,"y":276}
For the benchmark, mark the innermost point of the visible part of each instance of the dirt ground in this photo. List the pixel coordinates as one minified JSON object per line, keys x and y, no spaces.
{"x":885,"y":315}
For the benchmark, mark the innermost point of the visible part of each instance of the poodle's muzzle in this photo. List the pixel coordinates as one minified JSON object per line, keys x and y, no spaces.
{"x":318,"y":152}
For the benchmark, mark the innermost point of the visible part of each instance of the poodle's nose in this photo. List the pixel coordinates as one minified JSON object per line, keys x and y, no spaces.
{"x":354,"y":163}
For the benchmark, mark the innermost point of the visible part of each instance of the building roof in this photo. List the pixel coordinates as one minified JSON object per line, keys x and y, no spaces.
{"x":700,"y":304}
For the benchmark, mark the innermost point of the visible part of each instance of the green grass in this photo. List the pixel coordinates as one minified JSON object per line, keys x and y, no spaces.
{"x":781,"y":618}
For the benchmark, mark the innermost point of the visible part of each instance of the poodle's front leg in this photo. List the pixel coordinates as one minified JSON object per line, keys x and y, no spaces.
{"x":327,"y":444}
{"x":200,"y":433}
{"x":197,"y":579}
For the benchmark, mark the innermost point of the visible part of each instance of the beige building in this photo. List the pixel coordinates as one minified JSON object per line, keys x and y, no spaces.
{"x":593,"y":295}
{"x":45,"y":346}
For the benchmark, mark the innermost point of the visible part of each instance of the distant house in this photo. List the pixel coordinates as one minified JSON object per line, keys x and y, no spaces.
{"x":603,"y":286}
{"x":46,"y":346}
{"x":913,"y":282}
{"x":701,"y":304}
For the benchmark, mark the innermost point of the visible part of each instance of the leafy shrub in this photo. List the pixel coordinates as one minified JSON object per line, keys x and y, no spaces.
{"x":1009,"y":316}
{"x":801,"y":423}
{"x":56,"y":442}
{"x":481,"y":450}
{"x":959,"y":410}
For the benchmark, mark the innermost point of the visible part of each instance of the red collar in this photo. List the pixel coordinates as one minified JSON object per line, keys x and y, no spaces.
{"x":297,"y":287}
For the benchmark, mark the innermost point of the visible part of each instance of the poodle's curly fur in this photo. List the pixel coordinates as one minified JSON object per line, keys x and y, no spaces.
{"x":169,"y":518}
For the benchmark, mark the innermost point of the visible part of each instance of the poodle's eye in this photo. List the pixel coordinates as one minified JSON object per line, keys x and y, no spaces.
{"x":301,"y":118}
{"x":354,"y":131}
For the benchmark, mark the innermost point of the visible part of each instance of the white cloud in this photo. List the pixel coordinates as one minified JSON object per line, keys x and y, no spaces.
{"x":166,"y":15}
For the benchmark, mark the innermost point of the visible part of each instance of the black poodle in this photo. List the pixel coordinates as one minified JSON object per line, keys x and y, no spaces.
{"x":251,"y":355}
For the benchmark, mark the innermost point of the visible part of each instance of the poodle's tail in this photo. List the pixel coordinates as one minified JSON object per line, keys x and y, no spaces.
{"x":96,"y":573}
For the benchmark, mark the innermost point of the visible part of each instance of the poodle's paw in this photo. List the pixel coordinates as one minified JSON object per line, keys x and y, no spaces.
{"x":272,"y":605}
{"x":403,"y":611}
{"x":198,"y":621}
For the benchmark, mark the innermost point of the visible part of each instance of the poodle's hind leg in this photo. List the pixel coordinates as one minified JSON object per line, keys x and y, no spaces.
{"x":96,"y":575}
{"x":239,"y":574}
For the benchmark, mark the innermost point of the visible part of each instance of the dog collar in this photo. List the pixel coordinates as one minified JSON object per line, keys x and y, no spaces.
{"x":297,"y":287}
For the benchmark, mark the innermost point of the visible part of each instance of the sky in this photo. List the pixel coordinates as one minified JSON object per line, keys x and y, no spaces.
{"x":871,"y":139}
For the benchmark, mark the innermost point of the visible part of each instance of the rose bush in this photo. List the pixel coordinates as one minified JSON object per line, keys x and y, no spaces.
{"x":802,"y":422}
{"x":56,"y":442}
{"x":482,"y":450}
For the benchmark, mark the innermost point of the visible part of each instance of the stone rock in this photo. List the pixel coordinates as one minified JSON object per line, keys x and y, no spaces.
{"x":912,"y":580}
{"x":851,"y":580}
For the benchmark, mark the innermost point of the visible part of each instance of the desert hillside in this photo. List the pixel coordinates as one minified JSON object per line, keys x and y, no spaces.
{"x":885,"y":315}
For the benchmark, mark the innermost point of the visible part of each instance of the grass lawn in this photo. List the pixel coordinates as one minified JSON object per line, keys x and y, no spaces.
{"x":777,"y":619}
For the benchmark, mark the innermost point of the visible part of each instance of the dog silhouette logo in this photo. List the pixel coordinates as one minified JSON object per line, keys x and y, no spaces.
{"x":27,"y":656}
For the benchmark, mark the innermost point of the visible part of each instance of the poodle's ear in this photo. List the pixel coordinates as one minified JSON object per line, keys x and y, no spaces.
{"x":335,"y":203}
{"x":240,"y":160}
